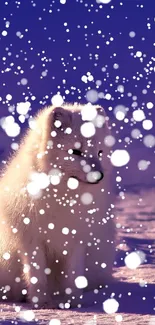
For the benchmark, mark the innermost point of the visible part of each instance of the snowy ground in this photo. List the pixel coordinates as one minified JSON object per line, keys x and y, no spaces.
{"x":135,"y":290}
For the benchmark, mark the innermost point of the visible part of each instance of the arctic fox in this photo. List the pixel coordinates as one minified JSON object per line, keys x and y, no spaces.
{"x":57,"y":230}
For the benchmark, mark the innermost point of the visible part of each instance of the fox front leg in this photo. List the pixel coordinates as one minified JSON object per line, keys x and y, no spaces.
{"x":74,"y":270}
{"x":35,"y":277}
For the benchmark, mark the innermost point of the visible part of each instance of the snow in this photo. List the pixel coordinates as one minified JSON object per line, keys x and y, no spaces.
{"x":106,"y":58}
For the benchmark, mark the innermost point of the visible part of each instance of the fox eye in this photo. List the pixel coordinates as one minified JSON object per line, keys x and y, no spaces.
{"x":76,"y":152}
{"x":100,"y":153}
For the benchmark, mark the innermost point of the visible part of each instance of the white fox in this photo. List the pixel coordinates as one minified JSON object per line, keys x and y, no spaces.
{"x":56,"y":222}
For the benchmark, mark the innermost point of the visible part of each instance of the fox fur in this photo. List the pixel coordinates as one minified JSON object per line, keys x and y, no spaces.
{"x":59,"y":233}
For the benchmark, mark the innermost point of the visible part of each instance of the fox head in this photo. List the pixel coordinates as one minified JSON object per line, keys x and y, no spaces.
{"x":73,"y":143}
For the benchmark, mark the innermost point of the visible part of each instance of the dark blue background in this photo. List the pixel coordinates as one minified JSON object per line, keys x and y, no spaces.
{"x":123,"y":18}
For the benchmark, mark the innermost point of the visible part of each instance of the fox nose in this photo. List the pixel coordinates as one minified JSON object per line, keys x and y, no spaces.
{"x":95,"y":177}
{"x":101,"y":176}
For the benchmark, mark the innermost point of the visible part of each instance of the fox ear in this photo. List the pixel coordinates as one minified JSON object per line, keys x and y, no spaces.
{"x":102,"y":112}
{"x":62,"y":118}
